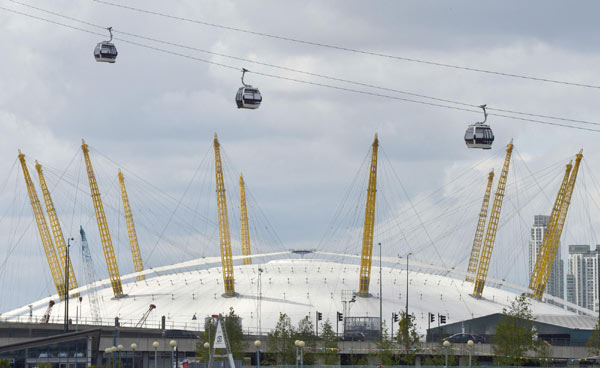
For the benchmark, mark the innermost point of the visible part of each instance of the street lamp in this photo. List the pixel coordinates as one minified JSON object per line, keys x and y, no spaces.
{"x":173,"y":344}
{"x":446,"y":345}
{"x":301,"y":345}
{"x":470,"y":343}
{"x":297,"y":343}
{"x":257,"y":344}
{"x":155,"y":345}
{"x":120,"y":349}
{"x":133,"y":349}
{"x":207,"y":346}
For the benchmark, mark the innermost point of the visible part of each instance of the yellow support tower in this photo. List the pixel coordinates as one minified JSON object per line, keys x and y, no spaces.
{"x":474,"y":259}
{"x":367,"y":245}
{"x":244,"y":224}
{"x":133,"y":241}
{"x":57,"y":273}
{"x":557,"y":232}
{"x":107,"y":246}
{"x":540,"y":263}
{"x":61,"y":247}
{"x":225,"y":237}
{"x":492,"y":228}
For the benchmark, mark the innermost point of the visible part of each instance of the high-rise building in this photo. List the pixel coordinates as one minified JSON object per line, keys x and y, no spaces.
{"x":582,"y":276}
{"x":555,"y":286}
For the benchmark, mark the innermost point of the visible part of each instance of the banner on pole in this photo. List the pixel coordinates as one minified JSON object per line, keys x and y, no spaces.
{"x":219,"y":338}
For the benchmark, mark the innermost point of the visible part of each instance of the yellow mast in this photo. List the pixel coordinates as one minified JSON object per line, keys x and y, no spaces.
{"x":61,"y":247}
{"x":225,"y":237}
{"x":480,"y":228}
{"x":57,"y":273}
{"x":548,"y":258}
{"x":367,"y":247}
{"x":244,"y":224}
{"x":536,"y":275}
{"x":492,"y":228}
{"x":107,"y":246}
{"x":133,"y":241}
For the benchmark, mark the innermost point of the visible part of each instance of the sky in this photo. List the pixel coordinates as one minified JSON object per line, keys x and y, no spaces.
{"x":154,"y":114}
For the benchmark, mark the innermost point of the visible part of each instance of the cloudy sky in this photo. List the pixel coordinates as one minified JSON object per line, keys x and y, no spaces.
{"x":153,"y":114}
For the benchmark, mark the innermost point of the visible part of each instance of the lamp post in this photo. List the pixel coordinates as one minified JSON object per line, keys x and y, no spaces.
{"x":119,"y":349}
{"x":173,"y":344}
{"x":257,"y":344}
{"x":67,"y":284}
{"x":301,"y":344}
{"x":470,"y":343}
{"x":446,"y":345}
{"x":297,"y":343}
{"x":207,"y":347}
{"x":113,"y":350}
{"x":133,"y":349}
{"x":155,"y":345}
{"x":107,"y":352}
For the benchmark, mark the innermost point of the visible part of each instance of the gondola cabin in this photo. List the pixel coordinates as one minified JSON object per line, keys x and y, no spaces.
{"x":479,"y":136}
{"x":248,"y":97}
{"x":105,"y":52}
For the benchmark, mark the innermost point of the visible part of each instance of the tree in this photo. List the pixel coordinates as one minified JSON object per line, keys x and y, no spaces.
{"x":235,"y":335}
{"x":281,"y":341}
{"x":515,"y":333}
{"x":593,"y":344}
{"x":384,"y":347}
{"x":408,"y":337}
{"x":4,"y":363}
{"x":306,"y":333}
{"x":329,"y":343}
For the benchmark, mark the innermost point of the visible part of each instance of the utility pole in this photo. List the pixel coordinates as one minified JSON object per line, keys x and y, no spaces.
{"x":380,"y":297}
{"x":67,"y":285}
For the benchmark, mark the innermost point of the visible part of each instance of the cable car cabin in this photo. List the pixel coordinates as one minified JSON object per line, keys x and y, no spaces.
{"x":479,"y":136}
{"x":248,"y":98}
{"x":105,"y":52}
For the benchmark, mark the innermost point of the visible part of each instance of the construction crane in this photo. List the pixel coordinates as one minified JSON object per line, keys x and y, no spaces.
{"x":91,"y":278}
{"x":367,"y":244}
{"x":107,"y":246}
{"x":547,"y":258}
{"x":475,"y":251}
{"x":492,"y":228}
{"x":46,"y":316}
{"x":56,"y":230}
{"x":244,"y":224}
{"x":225,"y":237}
{"x":133,"y":241}
{"x":56,"y":271}
{"x":145,"y":316}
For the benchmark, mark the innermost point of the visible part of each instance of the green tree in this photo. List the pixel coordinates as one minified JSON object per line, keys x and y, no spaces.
{"x":515,"y":333}
{"x":329,"y":343}
{"x":385,"y":346}
{"x":408,"y":337}
{"x":593,"y":343}
{"x":235,"y":335}
{"x":306,"y":333}
{"x":281,"y":341}
{"x":4,"y":364}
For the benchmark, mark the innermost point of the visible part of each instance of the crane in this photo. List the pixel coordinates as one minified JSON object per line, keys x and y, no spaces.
{"x":367,"y":244}
{"x":145,"y":316}
{"x":133,"y":241}
{"x":225,"y":237}
{"x":547,"y":258}
{"x":90,"y":273}
{"x":46,"y":316}
{"x":492,"y":228}
{"x":56,"y":271}
{"x":244,"y":224}
{"x":56,"y":230}
{"x":107,"y":246}
{"x":480,"y":229}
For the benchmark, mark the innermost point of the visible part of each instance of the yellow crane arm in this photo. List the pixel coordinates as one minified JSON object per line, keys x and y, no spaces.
{"x":133,"y":241}
{"x":366,"y":257}
{"x":225,"y":237}
{"x":107,"y":246}
{"x":476,"y":249}
{"x":56,"y":229}
{"x":492,"y":228}
{"x":536,"y":275}
{"x":557,"y":231}
{"x":56,"y":271}
{"x":244,"y":224}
